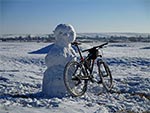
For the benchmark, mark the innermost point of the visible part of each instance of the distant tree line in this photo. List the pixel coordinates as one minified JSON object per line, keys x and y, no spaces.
{"x":51,"y":38}
{"x":28,"y":38}
{"x":115,"y":39}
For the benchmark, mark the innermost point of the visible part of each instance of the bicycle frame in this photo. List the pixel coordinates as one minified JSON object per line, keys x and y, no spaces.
{"x":83,"y":62}
{"x":77,"y":74}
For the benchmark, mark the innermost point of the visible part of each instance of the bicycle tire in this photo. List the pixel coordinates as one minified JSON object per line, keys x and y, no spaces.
{"x":105,"y":75}
{"x":72,"y":70}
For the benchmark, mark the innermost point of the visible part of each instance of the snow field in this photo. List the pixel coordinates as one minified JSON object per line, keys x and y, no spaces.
{"x":21,"y":77}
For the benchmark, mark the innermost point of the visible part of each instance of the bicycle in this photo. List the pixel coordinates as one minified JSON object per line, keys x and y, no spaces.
{"x":78,"y":73}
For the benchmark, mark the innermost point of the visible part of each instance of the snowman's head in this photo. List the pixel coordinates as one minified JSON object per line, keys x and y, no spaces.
{"x":64,"y":34}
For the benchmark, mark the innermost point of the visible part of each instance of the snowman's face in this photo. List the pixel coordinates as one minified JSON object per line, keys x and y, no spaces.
{"x":64,"y":34}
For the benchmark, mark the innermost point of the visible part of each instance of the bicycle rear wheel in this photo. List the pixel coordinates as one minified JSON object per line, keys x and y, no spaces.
{"x":72,"y":79}
{"x":105,"y":74}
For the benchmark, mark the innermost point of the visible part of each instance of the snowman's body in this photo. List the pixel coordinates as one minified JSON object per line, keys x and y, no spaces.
{"x":60,"y":53}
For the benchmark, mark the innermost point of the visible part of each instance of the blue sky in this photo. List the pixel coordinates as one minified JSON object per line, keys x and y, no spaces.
{"x":42,"y":16}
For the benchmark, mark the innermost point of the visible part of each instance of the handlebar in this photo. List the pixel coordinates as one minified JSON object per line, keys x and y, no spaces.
{"x":76,"y":43}
{"x":91,"y":49}
{"x":100,"y":46}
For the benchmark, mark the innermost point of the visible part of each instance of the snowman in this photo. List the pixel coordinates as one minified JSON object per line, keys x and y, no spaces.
{"x":59,"y":54}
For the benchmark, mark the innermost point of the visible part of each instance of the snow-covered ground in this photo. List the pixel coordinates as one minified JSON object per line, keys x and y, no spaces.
{"x":21,"y":77}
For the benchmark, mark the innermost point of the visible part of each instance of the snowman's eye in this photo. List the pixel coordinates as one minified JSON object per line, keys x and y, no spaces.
{"x":60,"y":32}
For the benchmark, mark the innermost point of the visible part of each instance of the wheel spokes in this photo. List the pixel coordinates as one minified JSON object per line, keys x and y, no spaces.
{"x":105,"y":76}
{"x":75,"y":85}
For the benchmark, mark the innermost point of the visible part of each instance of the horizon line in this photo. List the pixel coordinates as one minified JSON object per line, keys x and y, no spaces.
{"x":76,"y":33}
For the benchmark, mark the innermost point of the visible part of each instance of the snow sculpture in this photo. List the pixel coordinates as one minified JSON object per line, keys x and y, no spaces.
{"x":59,"y":54}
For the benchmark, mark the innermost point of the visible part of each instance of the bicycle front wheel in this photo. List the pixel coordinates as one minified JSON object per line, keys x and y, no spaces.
{"x":72,"y":79}
{"x":105,"y":74}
